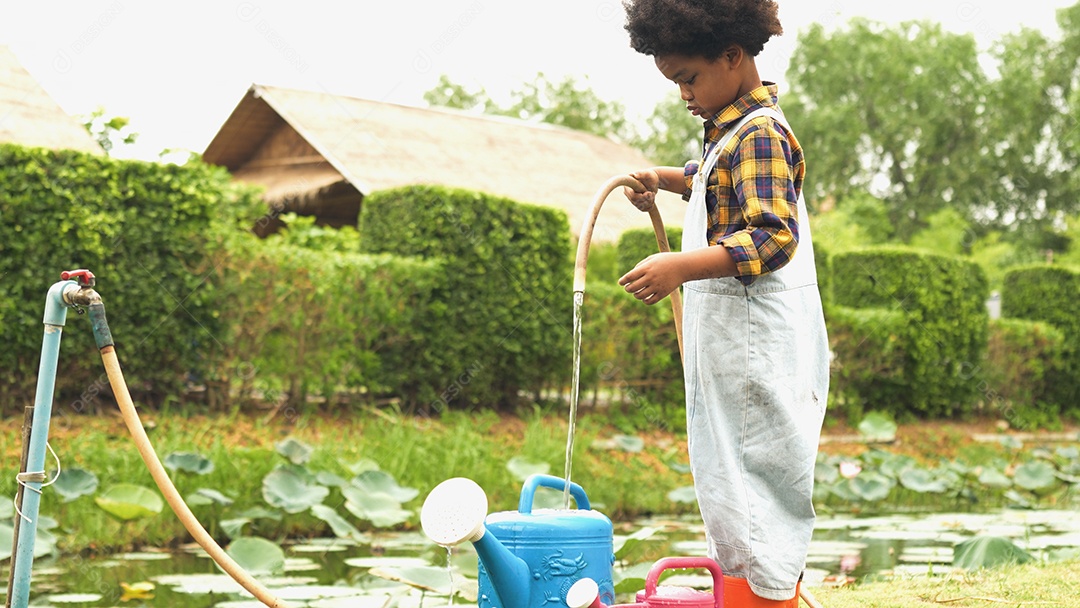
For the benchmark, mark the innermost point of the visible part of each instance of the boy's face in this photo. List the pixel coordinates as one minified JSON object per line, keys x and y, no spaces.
{"x":707,"y":86}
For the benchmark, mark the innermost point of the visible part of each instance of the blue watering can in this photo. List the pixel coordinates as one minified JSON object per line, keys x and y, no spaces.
{"x":528,"y":558}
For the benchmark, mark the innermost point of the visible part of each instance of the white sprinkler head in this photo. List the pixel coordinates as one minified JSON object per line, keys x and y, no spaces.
{"x":583,"y":593}
{"x":454,"y":512}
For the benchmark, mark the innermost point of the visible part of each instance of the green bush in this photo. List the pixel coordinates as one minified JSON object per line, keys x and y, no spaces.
{"x":944,"y":335}
{"x":639,"y":243}
{"x":630,"y":359}
{"x":1023,"y":359}
{"x":1050,"y":294}
{"x":503,"y":320}
{"x":305,"y":319}
{"x":143,"y":229}
{"x":869,"y":359}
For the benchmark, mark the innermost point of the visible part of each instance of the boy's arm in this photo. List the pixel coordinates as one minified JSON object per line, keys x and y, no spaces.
{"x":662,"y":273}
{"x":654,"y":179}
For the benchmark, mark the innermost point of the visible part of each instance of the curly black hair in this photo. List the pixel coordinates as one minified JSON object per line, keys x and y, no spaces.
{"x":700,"y":27}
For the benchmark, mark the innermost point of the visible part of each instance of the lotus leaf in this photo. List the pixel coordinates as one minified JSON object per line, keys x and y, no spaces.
{"x":625,"y":544}
{"x":257,"y":555}
{"x":75,"y":482}
{"x":379,"y":481}
{"x":207,"y":496}
{"x":992,"y":477}
{"x":920,"y":480}
{"x":338,"y":524}
{"x":987,"y":552}
{"x":296,"y":451}
{"x":870,"y":486}
{"x":1036,"y":475}
{"x":292,"y":489}
{"x":684,"y":494}
{"x":190,"y":462}
{"x":127,"y":501}
{"x":877,"y":427}
{"x":382,"y":510}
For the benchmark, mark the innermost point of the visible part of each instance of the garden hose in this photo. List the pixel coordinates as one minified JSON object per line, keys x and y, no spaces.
{"x":585,"y":239}
{"x":103,"y":337}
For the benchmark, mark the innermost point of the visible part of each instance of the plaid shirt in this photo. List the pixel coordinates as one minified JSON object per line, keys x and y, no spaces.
{"x":753,"y":194}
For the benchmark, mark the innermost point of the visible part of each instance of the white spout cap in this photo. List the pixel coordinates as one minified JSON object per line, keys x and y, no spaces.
{"x":454,"y":512}
{"x":583,"y":594}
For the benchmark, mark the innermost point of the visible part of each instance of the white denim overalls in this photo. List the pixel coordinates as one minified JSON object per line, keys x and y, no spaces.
{"x":757,"y":378}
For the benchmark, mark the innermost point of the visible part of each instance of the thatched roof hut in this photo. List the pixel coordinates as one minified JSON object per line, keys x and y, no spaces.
{"x":29,"y":117}
{"x":320,"y":154}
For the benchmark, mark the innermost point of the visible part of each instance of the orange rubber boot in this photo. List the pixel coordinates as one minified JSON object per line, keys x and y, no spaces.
{"x":737,"y":594}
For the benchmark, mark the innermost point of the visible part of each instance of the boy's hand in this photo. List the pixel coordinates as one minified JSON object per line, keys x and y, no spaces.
{"x":654,"y":277}
{"x":645,"y":199}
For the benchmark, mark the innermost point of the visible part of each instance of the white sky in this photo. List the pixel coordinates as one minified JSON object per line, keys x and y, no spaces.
{"x":178,"y":69}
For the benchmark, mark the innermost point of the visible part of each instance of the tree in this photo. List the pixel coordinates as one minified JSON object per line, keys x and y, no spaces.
{"x":672,"y":135}
{"x":910,"y":115}
{"x":109,"y":132}
{"x":565,"y":103}
{"x":890,"y":112}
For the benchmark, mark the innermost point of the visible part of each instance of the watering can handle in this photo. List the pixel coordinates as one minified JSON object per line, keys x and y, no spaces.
{"x":528,"y":491}
{"x":687,"y":562}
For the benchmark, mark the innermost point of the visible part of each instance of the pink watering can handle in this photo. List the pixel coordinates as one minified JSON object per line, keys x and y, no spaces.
{"x":669,"y":563}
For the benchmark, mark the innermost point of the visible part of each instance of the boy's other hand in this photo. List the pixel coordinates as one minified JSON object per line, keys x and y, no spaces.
{"x":654,"y":277}
{"x":645,"y":199}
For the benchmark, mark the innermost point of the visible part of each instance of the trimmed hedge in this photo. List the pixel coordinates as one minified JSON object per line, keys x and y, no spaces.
{"x":303,"y":321}
{"x":639,"y":243}
{"x":944,"y":335}
{"x":1023,"y":363}
{"x":630,"y":358}
{"x":1050,"y":294}
{"x":869,"y":359}
{"x":142,"y":228}
{"x":504,"y":316}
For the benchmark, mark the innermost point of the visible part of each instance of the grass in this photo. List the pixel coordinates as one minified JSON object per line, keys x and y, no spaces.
{"x":1018,"y":586}
{"x":418,"y":452}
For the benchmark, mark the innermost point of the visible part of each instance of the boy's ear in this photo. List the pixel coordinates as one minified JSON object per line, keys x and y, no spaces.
{"x":734,"y":55}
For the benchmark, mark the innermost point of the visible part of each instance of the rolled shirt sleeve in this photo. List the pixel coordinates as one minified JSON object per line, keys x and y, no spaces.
{"x":763,"y":182}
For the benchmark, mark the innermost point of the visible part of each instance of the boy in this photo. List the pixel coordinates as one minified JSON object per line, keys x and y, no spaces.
{"x":756,"y":353}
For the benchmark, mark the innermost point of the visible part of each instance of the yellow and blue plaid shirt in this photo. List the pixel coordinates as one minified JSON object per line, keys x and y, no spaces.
{"x":752,"y":197}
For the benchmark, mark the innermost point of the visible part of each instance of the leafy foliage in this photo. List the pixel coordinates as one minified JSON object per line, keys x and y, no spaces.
{"x":932,"y":131}
{"x":1049,"y":294}
{"x":941,"y":332}
{"x":500,"y":322}
{"x":1023,"y":360}
{"x":144,"y":230}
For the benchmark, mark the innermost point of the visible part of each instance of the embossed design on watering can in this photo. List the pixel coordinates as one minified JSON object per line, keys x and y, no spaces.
{"x":527,"y":558}
{"x":585,"y":592}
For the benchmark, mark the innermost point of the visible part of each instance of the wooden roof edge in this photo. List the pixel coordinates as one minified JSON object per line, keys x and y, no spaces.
{"x":266,"y":94}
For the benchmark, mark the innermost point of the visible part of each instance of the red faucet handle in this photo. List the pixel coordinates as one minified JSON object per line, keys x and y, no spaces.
{"x":84,"y":277}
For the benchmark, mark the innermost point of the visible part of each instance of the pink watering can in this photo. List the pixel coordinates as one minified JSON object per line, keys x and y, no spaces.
{"x":585,"y":592}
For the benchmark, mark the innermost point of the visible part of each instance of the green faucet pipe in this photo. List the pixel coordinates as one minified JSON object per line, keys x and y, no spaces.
{"x":103,"y":337}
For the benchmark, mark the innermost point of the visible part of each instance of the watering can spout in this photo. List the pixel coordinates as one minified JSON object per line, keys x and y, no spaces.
{"x":453,"y":513}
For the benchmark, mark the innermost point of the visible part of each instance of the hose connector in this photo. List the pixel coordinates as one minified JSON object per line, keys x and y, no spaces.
{"x":82,"y":294}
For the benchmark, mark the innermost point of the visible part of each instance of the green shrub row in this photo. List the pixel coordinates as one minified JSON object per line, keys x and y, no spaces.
{"x":1050,"y":294}
{"x":144,"y":229}
{"x":302,"y":322}
{"x":942,"y":330}
{"x":503,"y":323}
{"x":1024,"y":363}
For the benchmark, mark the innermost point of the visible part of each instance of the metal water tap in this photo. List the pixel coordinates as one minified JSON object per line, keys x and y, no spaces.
{"x":82,"y":294}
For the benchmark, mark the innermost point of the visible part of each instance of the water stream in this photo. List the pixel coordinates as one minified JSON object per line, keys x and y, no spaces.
{"x":575,"y":388}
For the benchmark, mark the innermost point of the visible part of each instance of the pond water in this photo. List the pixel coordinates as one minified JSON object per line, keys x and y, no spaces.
{"x":332,"y":573}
